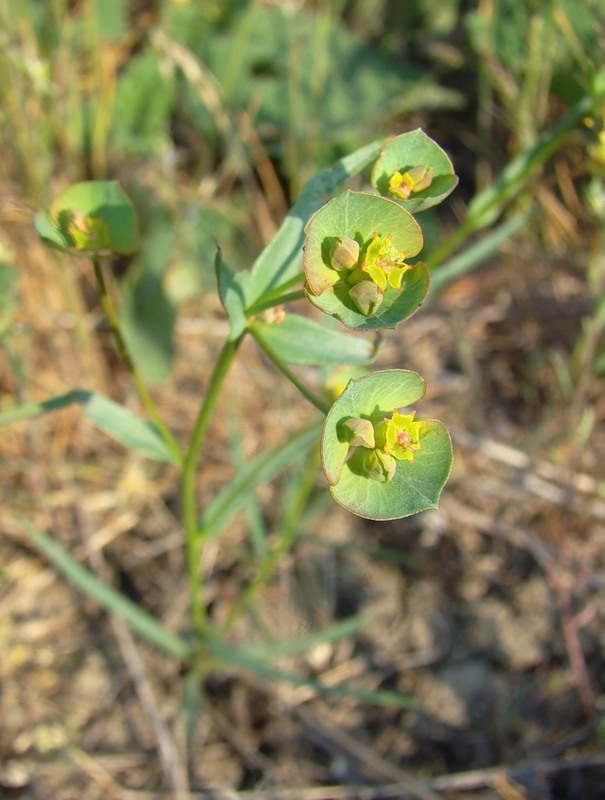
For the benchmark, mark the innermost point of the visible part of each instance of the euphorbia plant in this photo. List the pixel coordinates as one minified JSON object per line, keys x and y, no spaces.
{"x":354,"y":257}
{"x":356,"y":261}
{"x":379,"y":462}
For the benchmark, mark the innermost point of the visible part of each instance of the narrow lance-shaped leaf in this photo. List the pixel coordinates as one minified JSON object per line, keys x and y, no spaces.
{"x":115,"y":420}
{"x":139,"y":620}
{"x":231,"y":293}
{"x":300,"y":340}
{"x":280,"y":260}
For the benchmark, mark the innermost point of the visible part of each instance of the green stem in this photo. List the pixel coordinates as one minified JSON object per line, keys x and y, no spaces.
{"x":124,"y":353}
{"x":275,"y":293}
{"x":318,"y":402}
{"x":282,"y":299}
{"x":193,"y":542}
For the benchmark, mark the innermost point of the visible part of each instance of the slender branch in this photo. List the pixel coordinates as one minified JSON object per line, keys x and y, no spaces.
{"x":193,"y":542}
{"x":283,"y":287}
{"x":124,"y":353}
{"x":318,"y":402}
{"x":265,"y":303}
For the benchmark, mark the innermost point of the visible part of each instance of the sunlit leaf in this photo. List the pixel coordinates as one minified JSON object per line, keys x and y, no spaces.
{"x":91,"y":218}
{"x":400,"y":157}
{"x":361,"y":217}
{"x":300,"y":340}
{"x":415,"y":485}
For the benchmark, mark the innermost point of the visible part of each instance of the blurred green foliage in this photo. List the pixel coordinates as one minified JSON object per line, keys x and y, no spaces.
{"x":214,"y":114}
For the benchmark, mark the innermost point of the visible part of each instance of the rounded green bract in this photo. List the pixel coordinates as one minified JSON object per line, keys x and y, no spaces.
{"x":381,"y":463}
{"x":414,"y":171}
{"x":91,"y":218}
{"x":356,"y":261}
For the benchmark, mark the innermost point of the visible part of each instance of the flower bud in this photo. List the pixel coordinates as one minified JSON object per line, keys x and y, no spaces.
{"x":379,"y":466}
{"x":402,"y":185}
{"x":345,"y":253}
{"x":363,"y":432}
{"x":88,"y":232}
{"x":367,"y":297}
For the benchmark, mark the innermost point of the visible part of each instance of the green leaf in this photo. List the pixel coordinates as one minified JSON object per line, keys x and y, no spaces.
{"x":126,"y":428}
{"x":111,"y":17}
{"x":144,"y":102}
{"x":92,"y":218}
{"x":241,"y":660}
{"x":193,"y":698}
{"x":106,"y":596}
{"x":113,"y":419}
{"x":280,"y":260}
{"x":415,"y":486}
{"x":300,"y":340}
{"x":147,"y":319}
{"x":258,"y":532}
{"x":301,"y":644}
{"x":9,"y":301}
{"x":235,"y":495}
{"x":408,"y":151}
{"x":51,"y":234}
{"x":232,"y":296}
{"x":358,"y":216}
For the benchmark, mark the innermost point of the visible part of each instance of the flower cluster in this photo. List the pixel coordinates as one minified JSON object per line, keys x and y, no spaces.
{"x":404,"y":184}
{"x":87,"y":232}
{"x":387,"y":442}
{"x":368,"y":269}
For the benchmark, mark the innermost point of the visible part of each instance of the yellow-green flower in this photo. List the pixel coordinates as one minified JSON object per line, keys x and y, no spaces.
{"x":387,"y":442}
{"x":86,"y":231}
{"x":368,"y":269}
{"x":400,"y":436}
{"x":383,"y":263}
{"x":403,"y":184}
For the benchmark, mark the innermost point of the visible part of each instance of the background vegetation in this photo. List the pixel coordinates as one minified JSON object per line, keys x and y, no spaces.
{"x":489,"y":612}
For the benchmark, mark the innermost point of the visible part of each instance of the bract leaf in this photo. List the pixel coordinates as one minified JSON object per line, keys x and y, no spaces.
{"x":91,"y":218}
{"x":415,"y":485}
{"x":126,"y":428}
{"x":50,"y":234}
{"x":405,"y":154}
{"x":300,"y":340}
{"x":139,"y":620}
{"x":232,"y":296}
{"x":280,"y":260}
{"x":361,"y":216}
{"x":115,"y":420}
